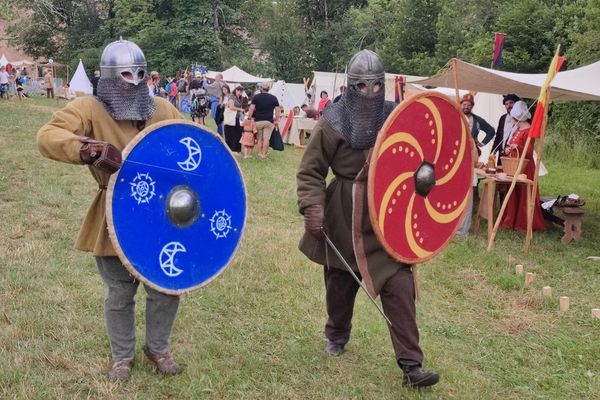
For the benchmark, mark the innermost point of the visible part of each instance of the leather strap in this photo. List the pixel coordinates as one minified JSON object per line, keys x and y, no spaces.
{"x":359,"y":189}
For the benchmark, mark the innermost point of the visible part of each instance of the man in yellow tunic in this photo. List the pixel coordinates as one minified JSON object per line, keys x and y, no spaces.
{"x":93,"y":131}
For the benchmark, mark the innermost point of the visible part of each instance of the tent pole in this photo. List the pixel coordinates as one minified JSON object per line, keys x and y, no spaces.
{"x":507,"y":197}
{"x":455,"y":74}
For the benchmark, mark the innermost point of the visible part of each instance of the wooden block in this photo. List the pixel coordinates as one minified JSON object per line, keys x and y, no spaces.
{"x":519,"y":269}
{"x":529,"y":278}
{"x":596,"y":313}
{"x":547,"y":291}
{"x":565,"y":303}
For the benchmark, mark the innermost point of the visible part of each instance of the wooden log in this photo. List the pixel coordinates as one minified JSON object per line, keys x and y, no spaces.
{"x":547,"y":291}
{"x":519,"y":269}
{"x":565,"y":303}
{"x":596,"y":313}
{"x":529,"y":278}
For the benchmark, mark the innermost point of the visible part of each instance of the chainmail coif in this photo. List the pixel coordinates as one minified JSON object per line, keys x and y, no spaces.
{"x":358,"y":118}
{"x":126,"y":101}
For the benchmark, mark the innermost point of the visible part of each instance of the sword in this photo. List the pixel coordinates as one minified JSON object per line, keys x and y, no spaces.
{"x":337,"y":252}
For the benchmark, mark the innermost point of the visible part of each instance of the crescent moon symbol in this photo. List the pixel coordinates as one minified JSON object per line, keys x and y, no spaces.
{"x":194,"y":154}
{"x":166,"y":258}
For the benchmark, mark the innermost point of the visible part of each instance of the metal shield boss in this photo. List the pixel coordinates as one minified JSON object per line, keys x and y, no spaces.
{"x":420,"y":177}
{"x":176,"y":209}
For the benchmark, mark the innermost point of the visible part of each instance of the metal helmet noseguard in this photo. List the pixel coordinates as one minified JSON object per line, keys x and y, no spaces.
{"x":123,"y":59}
{"x":366,"y":68}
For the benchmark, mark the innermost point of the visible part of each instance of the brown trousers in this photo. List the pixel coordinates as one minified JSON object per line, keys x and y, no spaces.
{"x":398,"y":300}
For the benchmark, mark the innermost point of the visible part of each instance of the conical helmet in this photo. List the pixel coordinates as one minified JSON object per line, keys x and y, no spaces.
{"x":365,"y":69}
{"x":124,"y":59}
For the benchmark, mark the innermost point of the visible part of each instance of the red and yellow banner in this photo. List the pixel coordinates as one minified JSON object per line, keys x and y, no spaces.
{"x":542,"y":105}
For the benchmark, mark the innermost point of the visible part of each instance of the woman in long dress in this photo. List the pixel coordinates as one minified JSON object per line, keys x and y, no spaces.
{"x":233,"y":133}
{"x":515,"y":216}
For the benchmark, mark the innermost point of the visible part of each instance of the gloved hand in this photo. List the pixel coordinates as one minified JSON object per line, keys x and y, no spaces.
{"x":314,"y":220}
{"x":102,"y":155}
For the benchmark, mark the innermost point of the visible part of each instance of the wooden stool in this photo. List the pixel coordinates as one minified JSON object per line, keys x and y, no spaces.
{"x":572,"y":225}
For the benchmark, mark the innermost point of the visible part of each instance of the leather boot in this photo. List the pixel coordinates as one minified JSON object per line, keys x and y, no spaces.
{"x":163,"y":362}
{"x":415,"y":376}
{"x":120,"y":370}
{"x":334,"y":349}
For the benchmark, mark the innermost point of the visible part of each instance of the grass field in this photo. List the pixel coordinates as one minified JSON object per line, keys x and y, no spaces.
{"x":256,"y":332}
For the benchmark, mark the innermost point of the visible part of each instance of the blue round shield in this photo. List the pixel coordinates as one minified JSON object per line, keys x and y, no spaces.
{"x":184,"y":105}
{"x":176,"y":209}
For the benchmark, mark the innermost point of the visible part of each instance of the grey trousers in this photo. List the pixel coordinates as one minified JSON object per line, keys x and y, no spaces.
{"x":465,"y":225}
{"x":119,"y":311}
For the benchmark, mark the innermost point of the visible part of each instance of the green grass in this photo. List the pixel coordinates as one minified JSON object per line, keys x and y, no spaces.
{"x":256,"y":332}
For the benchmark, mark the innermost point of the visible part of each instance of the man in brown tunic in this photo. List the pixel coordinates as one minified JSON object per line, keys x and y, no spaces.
{"x":341,"y":141}
{"x":93,"y":131}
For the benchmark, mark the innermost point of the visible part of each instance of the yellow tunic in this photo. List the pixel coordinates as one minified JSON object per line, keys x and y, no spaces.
{"x":59,"y":140}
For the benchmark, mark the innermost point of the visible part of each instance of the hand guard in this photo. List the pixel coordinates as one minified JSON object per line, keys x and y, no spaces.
{"x":101,"y":155}
{"x":314,"y":220}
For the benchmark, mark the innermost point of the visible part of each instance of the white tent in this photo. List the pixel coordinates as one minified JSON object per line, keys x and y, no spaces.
{"x":487,"y":105}
{"x":331,"y":82}
{"x":289,"y":95}
{"x":573,"y":85}
{"x":235,"y":74}
{"x":3,"y":60}
{"x":80,"y":82}
{"x":21,"y":63}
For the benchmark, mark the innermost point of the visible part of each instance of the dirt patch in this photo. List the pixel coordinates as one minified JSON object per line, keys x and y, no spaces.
{"x":510,"y":312}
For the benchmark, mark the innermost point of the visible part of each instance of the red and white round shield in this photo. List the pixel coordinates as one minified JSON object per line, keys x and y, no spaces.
{"x":420,"y":177}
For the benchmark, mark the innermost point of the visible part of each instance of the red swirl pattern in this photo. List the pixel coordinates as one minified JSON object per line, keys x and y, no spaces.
{"x":427,"y":127}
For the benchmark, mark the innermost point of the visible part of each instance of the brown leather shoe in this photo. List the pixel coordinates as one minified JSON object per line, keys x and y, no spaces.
{"x":163,"y":362}
{"x":120,"y":370}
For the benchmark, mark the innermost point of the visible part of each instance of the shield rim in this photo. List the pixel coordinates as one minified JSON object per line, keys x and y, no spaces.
{"x":109,"y":217}
{"x":373,"y":167}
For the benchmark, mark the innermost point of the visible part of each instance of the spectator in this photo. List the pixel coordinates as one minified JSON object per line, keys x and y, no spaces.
{"x":182,"y":87}
{"x":505,"y":127}
{"x":214,"y":91}
{"x":20,"y":81}
{"x":266,"y":112}
{"x":49,"y":83}
{"x":233,"y":115}
{"x":223,"y":99}
{"x":172,"y":92}
{"x":309,"y":112}
{"x":153,"y":84}
{"x":476,"y":124}
{"x":324,"y":102}
{"x":94,"y":82}
{"x":4,"y":83}
{"x":515,"y":216}
{"x":339,"y":96}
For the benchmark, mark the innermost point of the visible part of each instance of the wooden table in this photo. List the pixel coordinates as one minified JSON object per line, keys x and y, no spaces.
{"x":298,"y":131}
{"x":487,"y":205}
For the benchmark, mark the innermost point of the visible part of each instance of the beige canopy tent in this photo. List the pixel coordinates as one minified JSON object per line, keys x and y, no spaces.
{"x":578,"y":84}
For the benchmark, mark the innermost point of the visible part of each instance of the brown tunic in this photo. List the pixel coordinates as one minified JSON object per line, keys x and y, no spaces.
{"x":328,"y":149}
{"x":59,"y":140}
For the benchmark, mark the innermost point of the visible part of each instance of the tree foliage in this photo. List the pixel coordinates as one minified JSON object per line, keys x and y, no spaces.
{"x":287,"y":39}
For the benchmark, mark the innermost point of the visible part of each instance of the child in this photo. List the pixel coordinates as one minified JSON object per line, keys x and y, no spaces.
{"x":248,"y":136}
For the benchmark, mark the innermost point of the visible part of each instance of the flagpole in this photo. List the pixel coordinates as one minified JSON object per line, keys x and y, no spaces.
{"x":536,"y":178}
